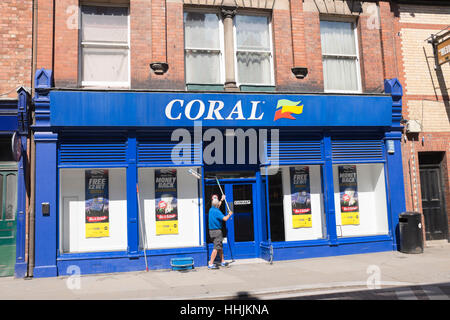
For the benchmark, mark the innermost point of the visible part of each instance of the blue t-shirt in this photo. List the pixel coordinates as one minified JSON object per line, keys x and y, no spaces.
{"x":215,"y":218}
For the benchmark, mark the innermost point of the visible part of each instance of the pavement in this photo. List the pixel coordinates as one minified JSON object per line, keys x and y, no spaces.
{"x":356,"y":276}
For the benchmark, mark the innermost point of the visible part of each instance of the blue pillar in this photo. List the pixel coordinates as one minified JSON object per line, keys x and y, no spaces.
{"x":46,"y":181}
{"x":132,"y":205}
{"x":20,"y":269}
{"x":328,"y":189}
{"x":46,"y":192}
{"x":21,"y":266}
{"x":396,"y":186}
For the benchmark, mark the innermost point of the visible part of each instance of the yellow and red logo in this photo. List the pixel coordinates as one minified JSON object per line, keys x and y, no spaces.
{"x":285,"y":109}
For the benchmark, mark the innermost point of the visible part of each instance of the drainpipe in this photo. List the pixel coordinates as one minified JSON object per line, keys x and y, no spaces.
{"x":31,"y":208}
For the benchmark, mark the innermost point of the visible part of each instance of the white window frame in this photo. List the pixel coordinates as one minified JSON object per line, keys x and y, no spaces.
{"x":221,"y":49}
{"x":340,"y":56}
{"x":91,"y":44}
{"x":272,"y":77}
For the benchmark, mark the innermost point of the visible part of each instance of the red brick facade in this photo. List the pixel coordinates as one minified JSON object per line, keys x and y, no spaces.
{"x":157,"y":35}
{"x":15,"y":46}
{"x":296,"y":43}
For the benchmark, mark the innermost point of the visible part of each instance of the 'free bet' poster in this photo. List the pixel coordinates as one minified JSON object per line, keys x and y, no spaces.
{"x":97,"y":203}
{"x":300,"y":198}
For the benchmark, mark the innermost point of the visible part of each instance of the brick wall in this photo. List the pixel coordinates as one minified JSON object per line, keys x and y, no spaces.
{"x":15,"y":46}
{"x":424,"y":142}
{"x":66,"y":43}
{"x":426,"y":97}
{"x":157,"y":35}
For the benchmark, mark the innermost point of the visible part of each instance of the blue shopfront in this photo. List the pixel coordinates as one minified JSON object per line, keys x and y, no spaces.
{"x":120,"y":172}
{"x":13,"y":165}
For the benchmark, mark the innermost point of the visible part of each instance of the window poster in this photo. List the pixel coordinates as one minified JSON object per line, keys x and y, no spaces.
{"x":166,"y":201}
{"x":300,"y":197}
{"x":97,"y":203}
{"x":348,"y":189}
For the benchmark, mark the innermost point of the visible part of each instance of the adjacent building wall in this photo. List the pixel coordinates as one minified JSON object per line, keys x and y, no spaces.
{"x":426,"y":95}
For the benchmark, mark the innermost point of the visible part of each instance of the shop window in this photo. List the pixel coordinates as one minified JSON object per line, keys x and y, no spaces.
{"x":360,"y":200}
{"x":8,"y":195}
{"x":93,"y":210}
{"x":5,"y":149}
{"x":296,"y":200}
{"x":11,"y":196}
{"x":170,"y":207}
{"x":104,"y":46}
{"x":276,"y":207}
{"x":340,"y":59}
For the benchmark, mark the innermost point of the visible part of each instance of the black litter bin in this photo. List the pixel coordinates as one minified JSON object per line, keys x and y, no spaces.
{"x":411,"y":236}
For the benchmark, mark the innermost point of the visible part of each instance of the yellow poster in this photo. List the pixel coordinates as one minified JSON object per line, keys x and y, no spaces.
{"x":166,"y":211}
{"x":301,"y":221}
{"x":348,"y":187}
{"x":97,"y":203}
{"x":300,"y":197}
{"x":166,"y":227}
{"x":97,"y":230}
{"x":349,"y":218}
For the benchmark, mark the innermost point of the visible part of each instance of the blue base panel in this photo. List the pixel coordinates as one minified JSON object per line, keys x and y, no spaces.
{"x":281,"y":251}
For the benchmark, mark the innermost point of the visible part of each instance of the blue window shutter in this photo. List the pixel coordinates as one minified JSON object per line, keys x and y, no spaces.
{"x":357,"y":150}
{"x":156,"y":150}
{"x":92,"y":149}
{"x":294,"y":151}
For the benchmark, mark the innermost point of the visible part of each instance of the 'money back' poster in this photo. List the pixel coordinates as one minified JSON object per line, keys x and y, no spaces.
{"x":166,"y":210}
{"x":348,"y":188}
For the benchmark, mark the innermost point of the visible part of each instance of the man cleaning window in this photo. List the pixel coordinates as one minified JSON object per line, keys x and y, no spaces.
{"x":216,"y":218}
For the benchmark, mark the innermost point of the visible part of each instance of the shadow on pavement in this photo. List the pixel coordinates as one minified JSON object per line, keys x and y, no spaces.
{"x":437,"y":291}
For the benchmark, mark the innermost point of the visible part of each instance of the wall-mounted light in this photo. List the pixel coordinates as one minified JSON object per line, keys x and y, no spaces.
{"x":300,"y":72}
{"x":159,"y":67}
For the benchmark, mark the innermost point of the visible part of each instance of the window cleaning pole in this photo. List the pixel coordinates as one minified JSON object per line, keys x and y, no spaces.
{"x":229,"y":244}
{"x":141,"y":228}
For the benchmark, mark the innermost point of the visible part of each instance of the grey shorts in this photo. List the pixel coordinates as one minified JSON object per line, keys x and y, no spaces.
{"x":217,"y":238}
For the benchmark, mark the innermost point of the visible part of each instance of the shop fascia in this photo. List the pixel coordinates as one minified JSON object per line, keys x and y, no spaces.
{"x":213,"y":153}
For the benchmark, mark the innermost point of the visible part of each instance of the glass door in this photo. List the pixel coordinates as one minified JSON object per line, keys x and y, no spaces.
{"x":239,"y":230}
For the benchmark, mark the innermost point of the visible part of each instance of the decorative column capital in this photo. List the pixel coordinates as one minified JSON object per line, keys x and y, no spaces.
{"x":41,"y":99}
{"x":228,"y":12}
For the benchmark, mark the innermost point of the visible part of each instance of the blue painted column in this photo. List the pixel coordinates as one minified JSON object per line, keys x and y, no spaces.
{"x":46,"y":180}
{"x":329,"y":190}
{"x":20,"y":268}
{"x":46,"y":192}
{"x":396,"y":186}
{"x":132,"y":205}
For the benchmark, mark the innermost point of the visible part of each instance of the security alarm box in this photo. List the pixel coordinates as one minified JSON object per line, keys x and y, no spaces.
{"x":413,"y":126}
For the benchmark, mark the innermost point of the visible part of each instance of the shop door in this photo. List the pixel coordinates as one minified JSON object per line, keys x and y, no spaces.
{"x":8,"y":208}
{"x":240,"y":228}
{"x":433,"y":203}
